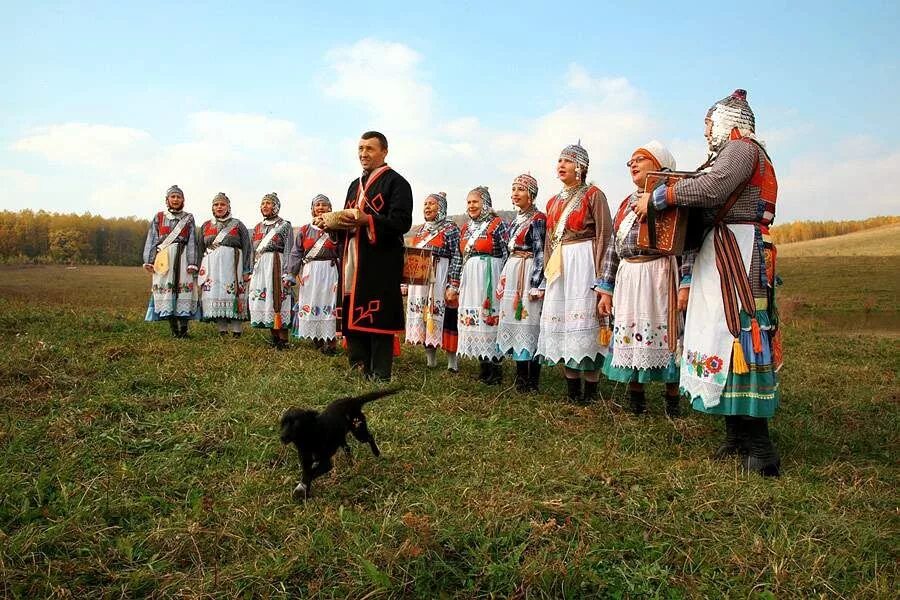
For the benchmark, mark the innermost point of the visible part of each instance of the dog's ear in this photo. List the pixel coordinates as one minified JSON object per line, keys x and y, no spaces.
{"x":295,"y":424}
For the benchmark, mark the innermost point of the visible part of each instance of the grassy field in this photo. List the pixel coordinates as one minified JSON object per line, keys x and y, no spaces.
{"x":881,"y":241}
{"x":137,"y":465}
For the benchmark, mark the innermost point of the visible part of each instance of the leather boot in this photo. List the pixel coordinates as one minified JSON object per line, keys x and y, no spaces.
{"x":521,"y":380}
{"x":637,"y":401}
{"x":534,"y":375}
{"x":763,"y":458}
{"x":573,"y":390}
{"x":735,"y":439}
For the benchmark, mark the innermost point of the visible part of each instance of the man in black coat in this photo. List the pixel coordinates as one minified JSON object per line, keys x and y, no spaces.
{"x":372,"y":309}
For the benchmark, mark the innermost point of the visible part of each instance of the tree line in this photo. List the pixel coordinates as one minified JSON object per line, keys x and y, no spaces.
{"x":42,"y":237}
{"x":800,"y":231}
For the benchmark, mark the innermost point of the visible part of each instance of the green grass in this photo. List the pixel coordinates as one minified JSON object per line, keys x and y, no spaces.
{"x":138,"y":465}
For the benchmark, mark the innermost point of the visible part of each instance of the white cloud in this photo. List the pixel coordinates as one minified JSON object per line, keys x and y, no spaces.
{"x":247,"y":155}
{"x":840,"y":182}
{"x":84,"y":143}
{"x":383,"y":79}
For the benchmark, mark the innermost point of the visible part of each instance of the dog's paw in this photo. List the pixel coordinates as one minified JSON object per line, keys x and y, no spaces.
{"x":300,"y":492}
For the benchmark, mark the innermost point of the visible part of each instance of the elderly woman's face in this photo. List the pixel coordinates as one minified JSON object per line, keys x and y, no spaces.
{"x":175,"y":201}
{"x":474,"y":204}
{"x":267,"y":208}
{"x":430,"y":209}
{"x":220,"y":209}
{"x":320,"y":208}
{"x":565,"y":170}
{"x":639,"y":166}
{"x":521,"y":198}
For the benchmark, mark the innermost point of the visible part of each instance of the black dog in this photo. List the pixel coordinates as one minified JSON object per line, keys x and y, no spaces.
{"x":317,"y":436}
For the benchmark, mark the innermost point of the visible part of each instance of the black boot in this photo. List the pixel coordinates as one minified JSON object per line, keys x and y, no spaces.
{"x":590,"y":392}
{"x":673,"y":406}
{"x":637,"y":401}
{"x":182,"y":327}
{"x":534,"y":375}
{"x":521,"y":376}
{"x":173,"y":326}
{"x":735,"y":439}
{"x":763,"y":458}
{"x":484,"y":370}
{"x":573,"y":390}
{"x":235,"y":334}
{"x":495,"y":373}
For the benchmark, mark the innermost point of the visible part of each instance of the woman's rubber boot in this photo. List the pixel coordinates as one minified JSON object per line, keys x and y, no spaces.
{"x":763,"y":458}
{"x":495,"y":373}
{"x":590,"y":392}
{"x":534,"y":375}
{"x":484,"y":370}
{"x":573,"y":390}
{"x":637,"y":401}
{"x":735,"y":439}
{"x":673,"y":406}
{"x":521,"y":376}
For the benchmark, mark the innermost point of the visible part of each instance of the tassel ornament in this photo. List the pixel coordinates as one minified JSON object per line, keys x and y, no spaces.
{"x":738,"y":362}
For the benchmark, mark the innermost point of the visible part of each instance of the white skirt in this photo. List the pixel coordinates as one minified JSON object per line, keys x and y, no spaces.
{"x":518,"y":336}
{"x":220,"y":280}
{"x":165,"y":300}
{"x":479,"y":312}
{"x":261,"y":300}
{"x":315,"y":318}
{"x":569,"y":323}
{"x":641,"y":309}
{"x":419,"y":301}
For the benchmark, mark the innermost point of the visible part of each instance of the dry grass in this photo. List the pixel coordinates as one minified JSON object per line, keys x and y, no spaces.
{"x":137,"y":465}
{"x":881,"y":241}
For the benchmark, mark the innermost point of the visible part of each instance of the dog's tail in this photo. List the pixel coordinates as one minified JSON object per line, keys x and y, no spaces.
{"x":369,"y":397}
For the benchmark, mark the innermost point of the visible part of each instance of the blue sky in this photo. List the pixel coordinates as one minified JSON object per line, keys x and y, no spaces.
{"x":106,"y":104}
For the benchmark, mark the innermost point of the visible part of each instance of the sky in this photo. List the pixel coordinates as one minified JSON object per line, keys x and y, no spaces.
{"x":105,"y":105}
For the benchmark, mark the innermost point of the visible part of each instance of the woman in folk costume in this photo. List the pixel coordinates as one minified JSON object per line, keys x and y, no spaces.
{"x":313,"y":268}
{"x":732,"y":349}
{"x":642,"y":288}
{"x":170,"y":253}
{"x":431,"y":313}
{"x":578,"y":229}
{"x":483,"y":243}
{"x":522,"y":285}
{"x":270,"y":301}
{"x":224,"y":269}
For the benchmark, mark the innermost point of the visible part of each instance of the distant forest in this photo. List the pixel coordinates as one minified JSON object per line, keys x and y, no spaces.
{"x":41,"y":237}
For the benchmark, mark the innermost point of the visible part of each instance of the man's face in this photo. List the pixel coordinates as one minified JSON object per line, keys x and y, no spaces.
{"x":175,"y":201}
{"x":371,"y":154}
{"x":267,"y":208}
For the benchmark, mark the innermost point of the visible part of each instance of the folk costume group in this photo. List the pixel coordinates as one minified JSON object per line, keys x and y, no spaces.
{"x":572,"y":286}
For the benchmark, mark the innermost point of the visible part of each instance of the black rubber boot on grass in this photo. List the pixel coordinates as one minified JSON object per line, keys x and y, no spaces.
{"x":735,"y":439}
{"x":573,"y":390}
{"x":637,"y":401}
{"x":763,"y":458}
{"x":673,"y":406}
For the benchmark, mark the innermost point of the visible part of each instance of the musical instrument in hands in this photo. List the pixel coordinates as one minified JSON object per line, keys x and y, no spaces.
{"x":665,"y":230}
